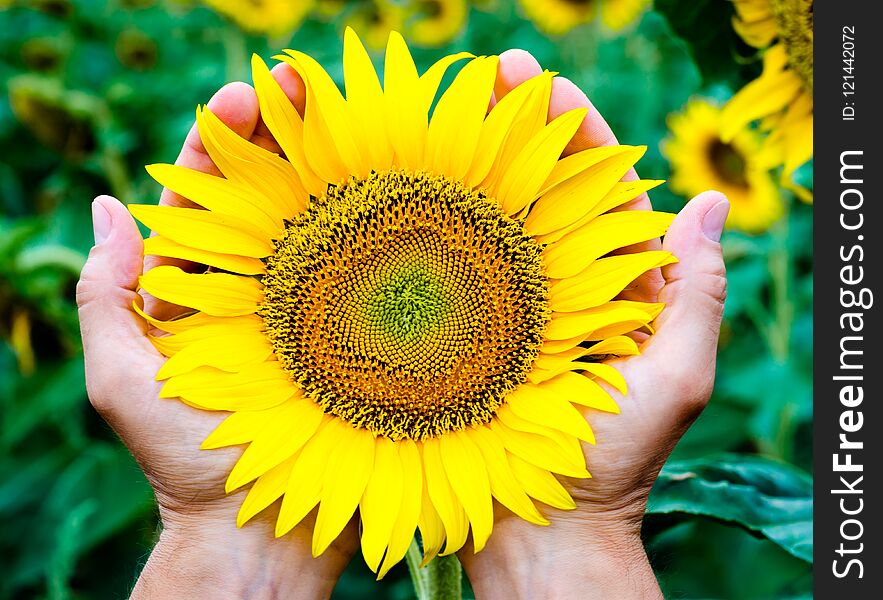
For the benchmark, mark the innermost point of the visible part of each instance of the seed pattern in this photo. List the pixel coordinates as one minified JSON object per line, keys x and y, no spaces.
{"x":406,"y":304}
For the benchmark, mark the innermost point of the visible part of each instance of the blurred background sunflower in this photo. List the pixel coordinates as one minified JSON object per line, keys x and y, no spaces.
{"x":94,"y":89}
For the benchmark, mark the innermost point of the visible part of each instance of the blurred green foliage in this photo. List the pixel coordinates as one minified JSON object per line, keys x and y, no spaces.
{"x":94,"y":89}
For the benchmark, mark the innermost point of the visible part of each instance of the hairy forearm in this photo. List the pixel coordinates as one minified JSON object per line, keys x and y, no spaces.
{"x":548,"y":563}
{"x":224,"y":562}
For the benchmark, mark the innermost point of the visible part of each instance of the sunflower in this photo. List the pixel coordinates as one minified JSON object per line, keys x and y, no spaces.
{"x":266,"y":17}
{"x":557,"y":17}
{"x":436,"y":22}
{"x":701,"y":159}
{"x":781,"y":98}
{"x":404,"y":315}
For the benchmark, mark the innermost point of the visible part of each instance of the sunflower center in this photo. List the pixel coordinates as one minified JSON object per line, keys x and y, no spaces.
{"x":405,"y":304}
{"x":794,"y":21}
{"x":728,"y":162}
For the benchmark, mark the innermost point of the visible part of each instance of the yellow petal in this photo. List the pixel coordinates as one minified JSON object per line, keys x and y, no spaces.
{"x":268,"y":488}
{"x":409,"y":511}
{"x":432,"y":529}
{"x":305,"y":483}
{"x":535,"y":403}
{"x":222,"y":196}
{"x":364,"y":98}
{"x":286,"y":125}
{"x":204,"y":229}
{"x":576,"y":250}
{"x":622,"y":192}
{"x":295,"y":422}
{"x":568,"y":445}
{"x":504,"y":486}
{"x":239,"y":428}
{"x":469,"y":479}
{"x":246,"y":163}
{"x":529,"y":120}
{"x":203,"y":329}
{"x":383,"y":495}
{"x":769,"y":93}
{"x":608,"y":374}
{"x":540,"y":484}
{"x":333,"y":152}
{"x":226,"y":351}
{"x":554,"y":360}
{"x":218,"y":294}
{"x":581,"y":390}
{"x":569,"y":325}
{"x":263,"y":386}
{"x":243,"y":265}
{"x":456,"y":122}
{"x":567,"y":360}
{"x":445,"y":501}
{"x":431,"y":79}
{"x":349,"y":468}
{"x":406,"y":116}
{"x":603,"y":280}
{"x":569,"y":201}
{"x":573,"y":165}
{"x":194,"y":320}
{"x":521,"y":183}
{"x":619,"y":345}
{"x":538,"y":450}
{"x":498,"y":124}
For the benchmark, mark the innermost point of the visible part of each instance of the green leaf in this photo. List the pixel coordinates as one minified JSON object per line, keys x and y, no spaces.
{"x":769,"y":498}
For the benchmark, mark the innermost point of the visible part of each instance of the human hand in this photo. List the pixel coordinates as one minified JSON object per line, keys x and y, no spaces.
{"x":595,"y":549}
{"x":200,"y":553}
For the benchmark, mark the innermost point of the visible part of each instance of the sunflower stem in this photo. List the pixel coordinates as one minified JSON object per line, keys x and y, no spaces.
{"x":441,"y":579}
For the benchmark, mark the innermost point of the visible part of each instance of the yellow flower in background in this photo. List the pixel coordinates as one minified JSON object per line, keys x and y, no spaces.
{"x":405,"y":315}
{"x":781,"y":98}
{"x":376,"y":19}
{"x":701,"y":159}
{"x":427,"y":23}
{"x":436,"y":22}
{"x":557,"y":17}
{"x":266,"y":17}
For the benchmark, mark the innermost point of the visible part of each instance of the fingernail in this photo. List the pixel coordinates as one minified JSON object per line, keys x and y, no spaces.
{"x":101,"y":222}
{"x":714,"y":219}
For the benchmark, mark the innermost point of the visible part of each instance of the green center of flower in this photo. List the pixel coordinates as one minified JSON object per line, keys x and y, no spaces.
{"x":794,"y":21}
{"x":406,"y":304}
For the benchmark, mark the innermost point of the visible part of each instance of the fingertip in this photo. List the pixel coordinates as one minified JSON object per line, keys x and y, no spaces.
{"x":515,"y":67}
{"x":706,"y":213}
{"x":118,"y":250}
{"x":236,"y":104}
{"x":122,"y":223}
{"x":292,"y":84}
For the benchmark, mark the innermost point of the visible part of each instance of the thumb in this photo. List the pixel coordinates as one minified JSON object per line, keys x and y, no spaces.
{"x":685,"y":345}
{"x":110,"y":329}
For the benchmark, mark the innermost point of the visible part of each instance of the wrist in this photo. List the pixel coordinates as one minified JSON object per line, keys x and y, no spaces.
{"x":564,"y":560}
{"x":215,"y":559}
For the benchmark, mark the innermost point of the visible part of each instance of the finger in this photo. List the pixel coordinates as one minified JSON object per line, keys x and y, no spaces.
{"x":515,"y":67}
{"x":292,"y":84}
{"x":293,"y":87}
{"x":593,"y":131}
{"x":112,"y":333}
{"x":684,"y":347}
